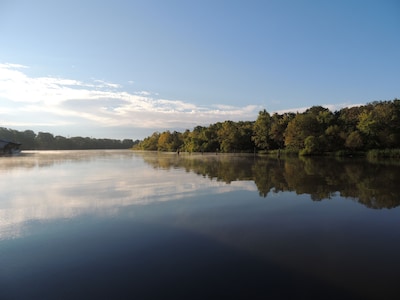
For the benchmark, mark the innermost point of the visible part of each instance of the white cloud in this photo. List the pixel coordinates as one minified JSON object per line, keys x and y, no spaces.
{"x":12,"y":66}
{"x":99,"y":103}
{"x":66,"y":103}
{"x":339,"y":106}
{"x":294,"y":110}
{"x":102,"y":84}
{"x":143,"y":93}
{"x":331,"y":107}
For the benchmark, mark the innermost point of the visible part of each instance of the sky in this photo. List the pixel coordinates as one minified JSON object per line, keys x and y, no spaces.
{"x":125,"y":69}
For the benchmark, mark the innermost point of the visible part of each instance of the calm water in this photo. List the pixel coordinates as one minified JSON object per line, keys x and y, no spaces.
{"x":128,"y":225}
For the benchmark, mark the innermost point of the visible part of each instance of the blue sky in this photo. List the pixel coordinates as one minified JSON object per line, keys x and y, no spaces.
{"x":124,"y":69}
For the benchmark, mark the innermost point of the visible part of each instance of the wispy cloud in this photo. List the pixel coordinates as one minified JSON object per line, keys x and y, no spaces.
{"x":104,"y":84}
{"x":60,"y":101}
{"x":55,"y":102}
{"x":331,"y":107}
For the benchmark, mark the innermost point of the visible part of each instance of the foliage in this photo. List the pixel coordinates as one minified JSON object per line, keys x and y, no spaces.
{"x":385,"y":153}
{"x":228,"y":136}
{"x":312,"y":145}
{"x":316,"y":131}
{"x":278,"y":127}
{"x":47,"y":141}
{"x":262,"y":130}
{"x":354,"y":141}
{"x":298,"y":129}
{"x":168,"y":141}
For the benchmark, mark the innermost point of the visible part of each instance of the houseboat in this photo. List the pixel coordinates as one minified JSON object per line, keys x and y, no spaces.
{"x":9,"y":148}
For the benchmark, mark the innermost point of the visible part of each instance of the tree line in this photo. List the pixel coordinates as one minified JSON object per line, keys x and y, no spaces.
{"x":318,"y":130}
{"x":47,"y":141}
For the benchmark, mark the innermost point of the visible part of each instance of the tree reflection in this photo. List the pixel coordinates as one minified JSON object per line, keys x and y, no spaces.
{"x":371,"y":184}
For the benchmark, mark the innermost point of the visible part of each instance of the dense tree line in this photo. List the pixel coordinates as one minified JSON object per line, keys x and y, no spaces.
{"x":317,"y":130}
{"x":225,"y":136}
{"x":47,"y":141}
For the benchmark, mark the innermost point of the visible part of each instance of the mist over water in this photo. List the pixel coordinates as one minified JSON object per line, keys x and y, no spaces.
{"x":123,"y":224}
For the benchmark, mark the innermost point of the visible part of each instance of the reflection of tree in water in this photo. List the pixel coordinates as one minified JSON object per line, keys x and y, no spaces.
{"x":220,"y":167}
{"x":269,"y":174}
{"x":43,"y":159}
{"x":316,"y":177}
{"x":372,"y":184}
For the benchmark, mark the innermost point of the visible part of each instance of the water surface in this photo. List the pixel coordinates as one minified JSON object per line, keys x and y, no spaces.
{"x":131,"y":225}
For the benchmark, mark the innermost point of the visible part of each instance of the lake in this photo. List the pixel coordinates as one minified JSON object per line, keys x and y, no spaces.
{"x":144,"y":225}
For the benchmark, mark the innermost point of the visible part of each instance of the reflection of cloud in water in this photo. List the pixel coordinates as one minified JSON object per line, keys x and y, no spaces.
{"x":50,"y":185}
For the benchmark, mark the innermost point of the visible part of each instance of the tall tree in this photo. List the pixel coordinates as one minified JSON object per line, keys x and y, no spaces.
{"x":298,"y":129}
{"x":278,"y":127}
{"x":228,"y":136}
{"x":45,"y":140}
{"x":261,"y":130}
{"x":380,"y":124}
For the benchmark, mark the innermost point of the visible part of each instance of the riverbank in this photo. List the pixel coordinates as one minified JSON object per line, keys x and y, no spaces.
{"x":374,"y":153}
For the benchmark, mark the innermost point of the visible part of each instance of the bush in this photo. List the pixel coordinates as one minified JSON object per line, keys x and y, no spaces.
{"x":384,"y":153}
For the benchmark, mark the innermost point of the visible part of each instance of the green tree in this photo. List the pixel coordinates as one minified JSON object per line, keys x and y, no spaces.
{"x":278,"y":127}
{"x":312,"y":145}
{"x":61,"y":142}
{"x":168,"y":141}
{"x":376,"y":125}
{"x":175,"y":141}
{"x":313,"y":122}
{"x":212,"y":142}
{"x":261,"y":130}
{"x":195,"y":140}
{"x":245,"y":142}
{"x":163,"y":141}
{"x":379,"y":122}
{"x":228,"y":136}
{"x":333,"y":138}
{"x":298,"y":129}
{"x":44,"y":140}
{"x":128,"y":143}
{"x":354,"y":141}
{"x":26,"y":138}
{"x":150,"y":143}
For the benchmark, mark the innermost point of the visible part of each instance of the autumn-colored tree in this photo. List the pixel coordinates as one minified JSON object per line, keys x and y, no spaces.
{"x":169,"y":141}
{"x":150,"y":143}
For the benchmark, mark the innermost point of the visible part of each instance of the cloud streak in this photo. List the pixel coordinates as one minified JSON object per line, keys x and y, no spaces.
{"x":62,"y":101}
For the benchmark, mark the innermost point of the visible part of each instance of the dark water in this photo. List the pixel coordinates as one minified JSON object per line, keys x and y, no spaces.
{"x":124,"y":225}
